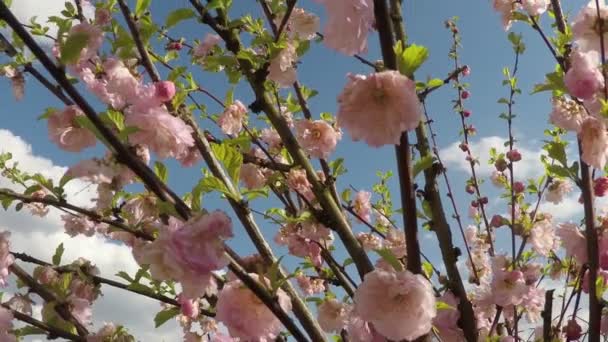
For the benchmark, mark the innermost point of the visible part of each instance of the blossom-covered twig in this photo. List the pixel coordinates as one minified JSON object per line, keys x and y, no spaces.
{"x":51,"y":332}
{"x":61,"y":308}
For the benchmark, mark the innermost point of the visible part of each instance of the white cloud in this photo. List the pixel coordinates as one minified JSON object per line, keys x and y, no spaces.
{"x":39,"y":237}
{"x":24,"y":10}
{"x":453,"y":157}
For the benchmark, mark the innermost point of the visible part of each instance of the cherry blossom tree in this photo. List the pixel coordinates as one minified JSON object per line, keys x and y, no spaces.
{"x":343,"y":263}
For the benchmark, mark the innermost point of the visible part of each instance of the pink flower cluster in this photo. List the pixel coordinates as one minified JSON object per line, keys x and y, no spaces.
{"x":305,"y":239}
{"x":348,"y":23}
{"x":188,"y":252}
{"x":379,"y":107}
{"x":6,"y":258}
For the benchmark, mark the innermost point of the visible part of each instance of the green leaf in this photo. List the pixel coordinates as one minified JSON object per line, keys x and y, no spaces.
{"x":141,"y":6}
{"x":558,"y":170}
{"x":117,"y":119}
{"x":423,"y":164}
{"x":161,"y":171}
{"x":410,"y":58}
{"x":439,"y":305}
{"x":557,"y":151}
{"x":230,"y":157}
{"x":58,"y":254}
{"x":29,"y":330}
{"x":178,"y":15}
{"x":434,"y":83}
{"x":389,"y":257}
{"x":163,"y":316}
{"x":428,"y":269}
{"x":73,"y":45}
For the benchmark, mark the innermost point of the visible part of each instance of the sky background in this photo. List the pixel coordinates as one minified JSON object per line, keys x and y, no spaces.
{"x":485,"y":48}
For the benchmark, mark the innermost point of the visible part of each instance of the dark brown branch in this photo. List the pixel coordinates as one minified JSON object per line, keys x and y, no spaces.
{"x":546,"y":314}
{"x":52,"y":332}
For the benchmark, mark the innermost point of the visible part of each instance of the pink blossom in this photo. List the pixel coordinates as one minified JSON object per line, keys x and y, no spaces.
{"x":535,"y":7}
{"x":245,"y":316}
{"x":362,"y":206}
{"x":332,"y":315}
{"x":81,"y":309}
{"x":348,"y":24}
{"x":317,"y":138}
{"x":361,"y":331}
{"x":252,"y":176}
{"x":369,"y":241}
{"x":199,"y":243}
{"x":508,"y":287}
{"x":6,"y":325}
{"x":46,"y":275}
{"x":38,"y":209}
{"x":84,"y":290}
{"x":573,"y":241}
{"x":75,"y":225}
{"x":96,"y":171}
{"x":103,"y":334}
{"x":167,"y":262}
{"x":164,"y":91}
{"x":567,"y":114}
{"x":557,"y":190}
{"x":65,"y":131}
{"x":103,"y":16}
{"x":506,"y":8}
{"x":400,"y":305}
{"x":585,"y":27}
{"x":297,"y":181}
{"x":188,"y":307}
{"x":191,"y":157}
{"x":166,"y":135}
{"x":204,"y":48}
{"x":379,"y":107}
{"x":231,"y":120}
{"x":498,"y":179}
{"x":282,"y":70}
{"x":94,"y":39}
{"x":6,"y":258}
{"x":17,"y":80}
{"x":119,"y":86}
{"x":600,"y":186}
{"x":594,"y":142}
{"x":310,"y":286}
{"x":584,"y":77}
{"x":446,"y":320}
{"x":301,"y":24}
{"x":573,"y":330}
{"x":542,"y":237}
{"x":271,"y":137}
{"x":534,"y":304}
{"x":395,"y":242}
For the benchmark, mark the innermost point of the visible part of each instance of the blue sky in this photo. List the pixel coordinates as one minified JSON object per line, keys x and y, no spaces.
{"x":485,"y":48}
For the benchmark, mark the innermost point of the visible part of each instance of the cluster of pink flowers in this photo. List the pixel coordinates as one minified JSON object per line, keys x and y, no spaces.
{"x":188,"y":252}
{"x":378,"y":108}
{"x":282,"y":67}
{"x":65,"y":131}
{"x":6,"y":258}
{"x":245,"y":316}
{"x":318,"y":138}
{"x":6,"y":325}
{"x":305,"y":239}
{"x":301,"y":24}
{"x":507,"y":9}
{"x":348,"y":24}
{"x":231,"y":120}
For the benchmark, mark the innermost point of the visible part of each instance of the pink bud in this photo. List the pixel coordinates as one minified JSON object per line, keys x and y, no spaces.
{"x":474,"y":204}
{"x":174,"y":46}
{"x":102,"y":16}
{"x":165,"y":90}
{"x":573,"y":330}
{"x":470,"y":189}
{"x":466,"y":71}
{"x":472,"y":130}
{"x":514,"y":155}
{"x":604,"y":260}
{"x":496,"y":221}
{"x":519,"y":187}
{"x":189,"y":307}
{"x":600,"y":186}
{"x":464,"y":147}
{"x":465,"y":94}
{"x":466,"y":113}
{"x":483,"y":200}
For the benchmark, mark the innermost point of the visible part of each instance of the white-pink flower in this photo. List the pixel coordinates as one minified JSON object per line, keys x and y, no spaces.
{"x":252,"y":176}
{"x":81,"y":310}
{"x":301,"y":24}
{"x":297,"y":181}
{"x":310,"y":286}
{"x":231,"y":120}
{"x":164,"y":134}
{"x":584,"y":78}
{"x":506,"y":8}
{"x":348,"y":23}
{"x":75,"y":225}
{"x":557,"y":190}
{"x":446,"y":320}
{"x":6,"y":258}
{"x":379,"y":107}
{"x":594,"y":142}
{"x":585,"y":27}
{"x":204,"y":48}
{"x":65,"y":131}
{"x":535,"y":7}
{"x":508,"y":286}
{"x":245,"y":316}
{"x":567,"y":114}
{"x":542,"y":237}
{"x":317,"y":138}
{"x":573,"y":241}
{"x":93,"y":36}
{"x":362,"y":206}
{"x":332,"y":315}
{"x":401,"y":305}
{"x":282,"y":67}
{"x":369,"y":241}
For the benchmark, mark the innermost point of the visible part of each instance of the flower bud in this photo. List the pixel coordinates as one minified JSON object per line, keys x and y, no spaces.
{"x":573,"y":330}
{"x":600,"y":186}
{"x":500,"y":165}
{"x":514,"y":155}
{"x":465,"y":94}
{"x":519,"y":187}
